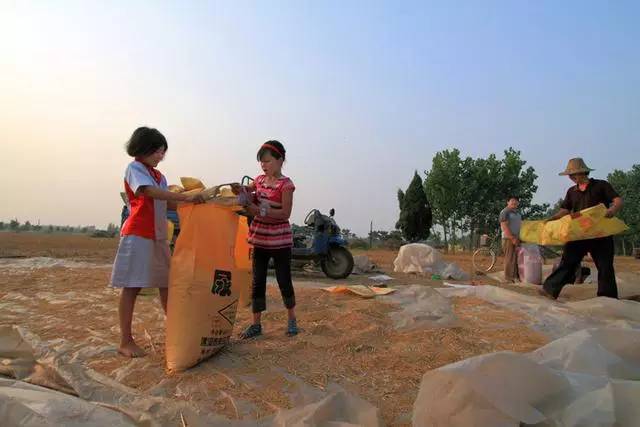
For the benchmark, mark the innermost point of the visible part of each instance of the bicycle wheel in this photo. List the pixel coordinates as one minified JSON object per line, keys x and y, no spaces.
{"x":483,"y":260}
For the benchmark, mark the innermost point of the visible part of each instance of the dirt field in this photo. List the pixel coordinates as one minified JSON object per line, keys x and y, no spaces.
{"x":344,"y":339}
{"x":77,"y":246}
{"x":84,"y":248}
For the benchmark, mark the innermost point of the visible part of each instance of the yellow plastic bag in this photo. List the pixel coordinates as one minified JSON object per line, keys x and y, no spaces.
{"x":589,"y":225}
{"x":189,"y":183}
{"x":203,"y":285}
{"x":360,"y":290}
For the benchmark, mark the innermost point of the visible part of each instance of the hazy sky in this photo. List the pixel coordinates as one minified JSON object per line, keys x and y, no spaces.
{"x":360,"y":93}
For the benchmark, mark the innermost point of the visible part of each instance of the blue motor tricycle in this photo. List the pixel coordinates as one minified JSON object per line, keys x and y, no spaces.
{"x":322,"y":243}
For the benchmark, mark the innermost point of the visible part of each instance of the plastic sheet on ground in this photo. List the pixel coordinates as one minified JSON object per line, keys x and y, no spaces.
{"x":360,"y":290}
{"x":381,"y":278}
{"x":77,"y":395}
{"x":628,"y":282}
{"x":512,"y":386}
{"x":588,"y":378}
{"x":23,"y":404}
{"x":421,"y":307}
{"x":457,"y":285}
{"x":556,"y":319}
{"x":421,"y":258}
{"x":591,"y":223}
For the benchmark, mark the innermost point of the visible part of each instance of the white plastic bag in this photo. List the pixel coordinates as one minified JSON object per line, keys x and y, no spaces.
{"x":530,"y":264}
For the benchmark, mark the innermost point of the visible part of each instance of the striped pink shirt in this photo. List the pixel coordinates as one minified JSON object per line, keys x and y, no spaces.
{"x":270,"y":233}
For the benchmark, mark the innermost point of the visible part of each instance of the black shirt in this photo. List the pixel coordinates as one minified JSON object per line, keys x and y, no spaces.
{"x":597,"y":191}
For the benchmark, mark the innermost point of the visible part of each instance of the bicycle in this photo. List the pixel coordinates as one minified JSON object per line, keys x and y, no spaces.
{"x":484,"y":258}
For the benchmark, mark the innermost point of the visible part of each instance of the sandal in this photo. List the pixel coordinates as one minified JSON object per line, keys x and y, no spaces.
{"x":292,"y":328}
{"x":251,"y":331}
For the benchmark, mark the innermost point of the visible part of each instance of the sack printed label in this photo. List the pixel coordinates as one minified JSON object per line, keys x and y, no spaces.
{"x":221,"y":283}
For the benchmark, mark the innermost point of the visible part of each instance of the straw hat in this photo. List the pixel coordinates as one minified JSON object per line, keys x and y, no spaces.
{"x":576,"y":166}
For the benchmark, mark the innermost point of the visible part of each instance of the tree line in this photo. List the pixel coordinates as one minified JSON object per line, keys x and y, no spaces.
{"x":16,"y":226}
{"x":627,"y":184}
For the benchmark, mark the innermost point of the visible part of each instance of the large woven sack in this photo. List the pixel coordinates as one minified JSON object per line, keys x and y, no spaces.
{"x":244,"y":262}
{"x":203,"y":285}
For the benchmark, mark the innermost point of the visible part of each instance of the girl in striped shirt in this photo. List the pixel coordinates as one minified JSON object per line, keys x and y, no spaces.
{"x":270,"y":234}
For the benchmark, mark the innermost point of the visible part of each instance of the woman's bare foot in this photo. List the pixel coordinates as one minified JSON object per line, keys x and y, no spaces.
{"x":131,"y":349}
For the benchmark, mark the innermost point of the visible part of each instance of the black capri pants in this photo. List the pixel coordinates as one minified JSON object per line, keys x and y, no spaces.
{"x":282,"y":263}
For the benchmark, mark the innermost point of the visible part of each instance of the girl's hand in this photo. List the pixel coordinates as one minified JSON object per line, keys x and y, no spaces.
{"x":195,"y":198}
{"x":253,"y":209}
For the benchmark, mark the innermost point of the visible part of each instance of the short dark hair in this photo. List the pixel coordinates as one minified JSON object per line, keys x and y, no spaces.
{"x":273,"y":147}
{"x":145,"y":141}
{"x":513,"y":197}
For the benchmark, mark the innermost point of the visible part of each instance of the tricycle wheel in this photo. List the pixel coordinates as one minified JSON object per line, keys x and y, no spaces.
{"x":338,"y":264}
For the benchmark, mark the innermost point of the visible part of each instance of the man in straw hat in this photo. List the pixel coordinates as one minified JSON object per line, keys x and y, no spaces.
{"x":586,"y":192}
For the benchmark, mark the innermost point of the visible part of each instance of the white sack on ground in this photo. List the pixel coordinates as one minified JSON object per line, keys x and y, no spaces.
{"x":589,"y":378}
{"x":421,"y":258}
{"x":417,"y":258}
{"x":362,"y":264}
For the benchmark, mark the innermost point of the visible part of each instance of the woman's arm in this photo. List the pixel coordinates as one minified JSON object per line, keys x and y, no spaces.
{"x":160,"y":194}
